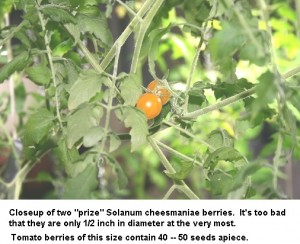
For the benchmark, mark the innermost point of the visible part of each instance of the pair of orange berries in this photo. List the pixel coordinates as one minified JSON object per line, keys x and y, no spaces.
{"x":151,"y":102}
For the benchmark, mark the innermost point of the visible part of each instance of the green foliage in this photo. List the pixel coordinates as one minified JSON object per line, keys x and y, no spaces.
{"x":223,"y":62}
{"x":38,"y":126}
{"x":82,"y":185}
{"x":87,"y":85}
{"x":17,"y":64}
{"x":81,"y":122}
{"x":41,"y":75}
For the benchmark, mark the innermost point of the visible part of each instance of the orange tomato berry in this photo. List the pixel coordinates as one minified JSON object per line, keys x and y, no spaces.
{"x":150,"y":104}
{"x":161,"y":91}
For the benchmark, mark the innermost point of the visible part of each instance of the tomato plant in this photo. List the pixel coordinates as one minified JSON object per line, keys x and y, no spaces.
{"x":160,"y":90}
{"x":71,"y":73}
{"x":150,"y":104}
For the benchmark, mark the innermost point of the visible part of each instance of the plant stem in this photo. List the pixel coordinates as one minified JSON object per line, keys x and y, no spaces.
{"x":276,"y":160}
{"x":181,"y":185}
{"x":125,"y":34}
{"x":220,"y":104}
{"x":291,"y":73}
{"x":176,"y":153}
{"x":161,"y":155}
{"x":170,"y":191}
{"x":234,"y":98}
{"x":144,"y":25}
{"x":95,"y":64}
{"x":110,"y":98}
{"x":53,"y":72}
{"x":11,"y":83}
{"x":187,"y":191}
{"x":191,"y":74}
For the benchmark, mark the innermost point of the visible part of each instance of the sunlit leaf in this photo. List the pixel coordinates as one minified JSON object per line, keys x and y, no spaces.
{"x":154,"y":38}
{"x":131,"y":89}
{"x":184,"y":169}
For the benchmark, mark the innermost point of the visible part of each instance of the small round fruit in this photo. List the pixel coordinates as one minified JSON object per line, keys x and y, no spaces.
{"x":160,"y":90}
{"x":150,"y":104}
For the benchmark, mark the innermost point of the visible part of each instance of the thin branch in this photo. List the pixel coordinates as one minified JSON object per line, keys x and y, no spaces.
{"x":125,"y":34}
{"x":11,"y":83}
{"x":53,"y":72}
{"x":181,"y":185}
{"x":176,"y":153}
{"x":162,"y":157}
{"x":220,"y":104}
{"x":110,"y":98}
{"x":276,"y":160}
{"x":170,"y":191}
{"x":191,"y":74}
{"x":144,"y":25}
{"x":291,"y":73}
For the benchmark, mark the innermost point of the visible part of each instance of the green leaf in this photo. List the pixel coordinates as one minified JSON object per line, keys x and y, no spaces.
{"x":81,"y":186}
{"x":184,"y":169}
{"x":38,"y":126}
{"x":17,"y":64}
{"x":23,"y":37}
{"x":131,"y":89}
{"x":226,"y":42}
{"x":135,"y":119}
{"x":158,"y":120}
{"x":241,"y":177}
{"x":154,"y":38}
{"x":62,"y":48}
{"x":266,"y":92}
{"x":196,"y":11}
{"x":262,"y":175}
{"x":227,"y":89}
{"x":122,"y":178}
{"x":93,"y":136}
{"x":87,"y":86}
{"x":59,"y":15}
{"x":219,"y":183}
{"x":196,"y":97}
{"x":114,"y":142}
{"x":67,"y":157}
{"x":224,"y":153}
{"x":40,"y":75}
{"x":80,"y":122}
{"x":219,"y":138}
{"x":44,"y":177}
{"x":76,"y":3}
{"x":74,"y":31}
{"x":94,"y":21}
